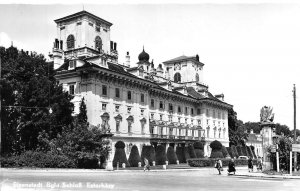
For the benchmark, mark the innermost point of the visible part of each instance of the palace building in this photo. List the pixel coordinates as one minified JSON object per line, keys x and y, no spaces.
{"x":140,"y":103}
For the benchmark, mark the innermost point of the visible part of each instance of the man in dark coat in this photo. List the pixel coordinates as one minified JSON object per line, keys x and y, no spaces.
{"x":231,"y":167}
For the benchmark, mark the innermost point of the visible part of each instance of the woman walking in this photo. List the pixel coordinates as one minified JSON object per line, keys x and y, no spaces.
{"x":250,"y":164}
{"x":218,"y":165}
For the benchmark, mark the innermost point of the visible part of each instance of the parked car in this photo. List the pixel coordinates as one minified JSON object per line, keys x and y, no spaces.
{"x":243,"y":157}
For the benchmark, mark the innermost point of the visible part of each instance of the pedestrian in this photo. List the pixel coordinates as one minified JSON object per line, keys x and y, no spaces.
{"x":218,"y":166}
{"x":259,"y":164}
{"x":250,"y":164}
{"x":147,"y":166}
{"x":231,"y":167}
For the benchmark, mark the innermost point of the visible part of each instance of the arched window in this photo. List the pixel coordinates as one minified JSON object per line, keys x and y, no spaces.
{"x":70,"y":41}
{"x":98,"y":43}
{"x":177,"y":77}
{"x":197,"y":77}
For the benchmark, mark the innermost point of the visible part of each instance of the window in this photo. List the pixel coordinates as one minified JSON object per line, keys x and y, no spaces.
{"x":199,"y":122}
{"x":170,"y":118}
{"x":70,"y":42}
{"x":143,"y":128}
{"x":129,"y":127}
{"x":152,"y":103}
{"x":152,"y":115}
{"x":117,"y":107}
{"x":161,"y":117}
{"x":71,"y":89}
{"x":129,"y":95}
{"x":98,"y":43}
{"x":214,"y":114}
{"x":117,"y":93}
{"x":79,"y":23}
{"x":192,"y":111}
{"x":177,"y":78}
{"x":192,"y":121}
{"x":91,"y":24}
{"x":97,"y":27}
{"x":186,"y":110}
{"x":161,"y":105}
{"x":104,"y":106}
{"x":142,"y":111}
{"x":179,"y":109}
{"x":185,"y":121}
{"x":128,"y":109}
{"x":198,"y":111}
{"x":118,"y":126}
{"x":142,"y":98}
{"x":179,"y":119}
{"x":104,"y":90}
{"x":207,"y":112}
{"x":170,"y":107}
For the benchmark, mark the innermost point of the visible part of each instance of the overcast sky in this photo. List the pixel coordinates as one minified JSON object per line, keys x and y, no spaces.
{"x":251,"y":51}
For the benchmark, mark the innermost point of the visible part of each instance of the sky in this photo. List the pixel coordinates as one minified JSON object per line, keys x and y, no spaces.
{"x":251,"y":49}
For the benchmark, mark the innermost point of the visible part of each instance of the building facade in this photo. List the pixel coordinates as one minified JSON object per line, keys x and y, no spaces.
{"x":141,"y":104}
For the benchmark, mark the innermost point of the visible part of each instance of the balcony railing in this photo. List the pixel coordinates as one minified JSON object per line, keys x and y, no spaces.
{"x":181,"y":137}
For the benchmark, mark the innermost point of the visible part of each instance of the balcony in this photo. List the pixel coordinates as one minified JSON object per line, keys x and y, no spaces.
{"x":181,"y":137}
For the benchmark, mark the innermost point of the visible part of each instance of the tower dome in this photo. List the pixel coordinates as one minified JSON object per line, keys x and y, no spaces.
{"x":143,"y":56}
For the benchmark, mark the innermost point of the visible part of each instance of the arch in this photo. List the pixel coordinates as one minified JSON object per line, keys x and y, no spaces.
{"x":98,"y":43}
{"x":197,"y":77}
{"x":71,"y":41}
{"x":177,"y":77}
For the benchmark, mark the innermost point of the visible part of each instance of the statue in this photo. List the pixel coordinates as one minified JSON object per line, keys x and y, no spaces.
{"x":266,"y":114}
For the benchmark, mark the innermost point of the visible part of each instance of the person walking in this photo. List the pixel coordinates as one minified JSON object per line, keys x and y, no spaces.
{"x":250,"y":164}
{"x":147,"y":166}
{"x":259,"y":164}
{"x":218,"y":165}
{"x":231,"y":167}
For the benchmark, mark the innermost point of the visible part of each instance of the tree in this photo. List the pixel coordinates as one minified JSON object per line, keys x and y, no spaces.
{"x":28,"y":89}
{"x":237,"y":130}
{"x":82,"y":116}
{"x":253,"y":126}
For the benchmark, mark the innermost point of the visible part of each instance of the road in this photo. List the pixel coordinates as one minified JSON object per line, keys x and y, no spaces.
{"x":208,"y":179}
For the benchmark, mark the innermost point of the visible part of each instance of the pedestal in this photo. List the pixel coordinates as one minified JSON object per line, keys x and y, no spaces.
{"x":266,"y":141}
{"x":109,"y":160}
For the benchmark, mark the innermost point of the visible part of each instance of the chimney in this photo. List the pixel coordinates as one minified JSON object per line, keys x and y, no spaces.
{"x":115,"y":46}
{"x":111,"y":45}
{"x":56,"y":43}
{"x":61,"y":44}
{"x":127,"y":60}
{"x":197,"y":57}
{"x":220,"y":97}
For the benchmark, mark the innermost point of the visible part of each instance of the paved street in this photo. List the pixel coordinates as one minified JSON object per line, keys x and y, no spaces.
{"x":201,"y":179}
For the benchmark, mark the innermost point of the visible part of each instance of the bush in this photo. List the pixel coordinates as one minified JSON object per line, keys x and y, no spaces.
{"x":216,"y":145}
{"x":148,"y":152}
{"x":120,"y":157}
{"x":191,"y":151}
{"x":224,"y":152}
{"x":229,"y":150}
{"x":198,"y":145}
{"x":172,"y":158}
{"x":120,"y":144}
{"x":199,"y":153}
{"x":211,"y":162}
{"x":180,"y":154}
{"x":160,"y":155}
{"x":87,"y":160}
{"x":249,"y":152}
{"x":216,"y":154}
{"x":244,"y":151}
{"x":134,"y":157}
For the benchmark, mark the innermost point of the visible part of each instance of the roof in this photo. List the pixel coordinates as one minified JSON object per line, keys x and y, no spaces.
{"x":79,"y":14}
{"x":192,"y":92}
{"x":182,"y":58}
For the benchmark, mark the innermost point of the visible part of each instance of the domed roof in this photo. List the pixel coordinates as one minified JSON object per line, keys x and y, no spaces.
{"x":143,"y":56}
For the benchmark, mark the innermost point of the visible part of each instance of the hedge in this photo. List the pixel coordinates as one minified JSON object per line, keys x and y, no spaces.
{"x":38,"y":159}
{"x":87,"y":160}
{"x":191,"y":151}
{"x":239,"y":151}
{"x":253,"y":151}
{"x":204,"y":162}
{"x":120,"y":144}
{"x":249,"y":152}
{"x":120,"y":157}
{"x":234,"y":151}
{"x":186,"y":154}
{"x":216,"y":154}
{"x":134,"y":157}
{"x":198,"y":145}
{"x":180,"y":154}
{"x":199,"y":153}
{"x":160,"y":155}
{"x":216,"y":145}
{"x":172,"y":158}
{"x":229,"y":150}
{"x":224,"y":152}
{"x":148,"y":152}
